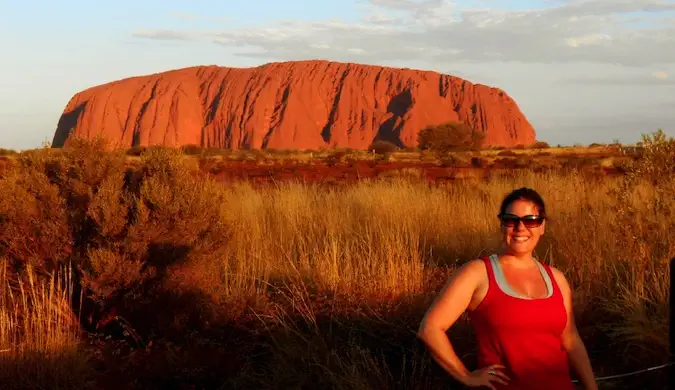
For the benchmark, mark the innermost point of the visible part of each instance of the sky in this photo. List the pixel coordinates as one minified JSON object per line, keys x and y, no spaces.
{"x":581,"y":71}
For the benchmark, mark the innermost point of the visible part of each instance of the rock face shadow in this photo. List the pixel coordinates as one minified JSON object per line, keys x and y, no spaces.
{"x":390,"y":130}
{"x":67,"y":122}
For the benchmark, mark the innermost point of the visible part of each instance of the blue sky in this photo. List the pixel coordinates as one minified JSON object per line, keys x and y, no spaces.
{"x":581,"y":72}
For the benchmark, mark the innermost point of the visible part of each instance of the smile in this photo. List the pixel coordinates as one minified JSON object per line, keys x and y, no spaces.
{"x":520,"y":239}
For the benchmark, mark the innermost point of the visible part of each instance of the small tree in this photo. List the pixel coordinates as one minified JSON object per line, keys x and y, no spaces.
{"x":449,"y":136}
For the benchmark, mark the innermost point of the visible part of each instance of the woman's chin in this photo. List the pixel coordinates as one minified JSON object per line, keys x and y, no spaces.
{"x":519,"y":249}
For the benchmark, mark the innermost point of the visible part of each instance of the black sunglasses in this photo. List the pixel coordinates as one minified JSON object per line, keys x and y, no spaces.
{"x":530,"y":221}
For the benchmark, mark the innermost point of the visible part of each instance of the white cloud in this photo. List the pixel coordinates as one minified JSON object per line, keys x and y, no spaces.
{"x":322,"y":46}
{"x":645,"y":80}
{"x":627,"y":32}
{"x":586,"y":40}
{"x":165,"y":35}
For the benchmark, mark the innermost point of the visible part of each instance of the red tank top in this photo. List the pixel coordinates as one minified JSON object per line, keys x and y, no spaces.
{"x":524,"y":335}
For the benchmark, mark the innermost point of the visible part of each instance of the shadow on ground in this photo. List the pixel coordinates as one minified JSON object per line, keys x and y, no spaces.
{"x":326,"y":342}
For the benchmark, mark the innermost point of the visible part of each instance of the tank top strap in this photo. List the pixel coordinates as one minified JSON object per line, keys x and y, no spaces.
{"x":554,"y":284}
{"x":489,"y":294}
{"x":490,"y":270}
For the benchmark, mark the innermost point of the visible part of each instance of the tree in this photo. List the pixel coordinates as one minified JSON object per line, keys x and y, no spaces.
{"x":449,"y":136}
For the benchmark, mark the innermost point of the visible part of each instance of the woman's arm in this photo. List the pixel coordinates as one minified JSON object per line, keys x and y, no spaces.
{"x":576,"y":351}
{"x":451,"y":302}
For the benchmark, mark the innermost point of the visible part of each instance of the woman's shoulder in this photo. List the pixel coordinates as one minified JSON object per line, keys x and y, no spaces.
{"x":477,"y":265}
{"x":474,"y":270}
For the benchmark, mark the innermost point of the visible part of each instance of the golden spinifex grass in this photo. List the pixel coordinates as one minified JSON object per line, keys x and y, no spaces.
{"x":381,"y":238}
{"x":380,"y":235}
{"x":39,"y":333}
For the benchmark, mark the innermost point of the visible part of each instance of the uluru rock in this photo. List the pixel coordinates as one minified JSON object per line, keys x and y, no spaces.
{"x":296,"y":105}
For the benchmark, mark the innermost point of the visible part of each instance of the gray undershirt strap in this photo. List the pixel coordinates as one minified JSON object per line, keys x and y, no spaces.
{"x":504,"y":284}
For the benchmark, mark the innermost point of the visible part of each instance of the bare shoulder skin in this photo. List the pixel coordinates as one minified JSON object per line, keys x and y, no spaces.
{"x":463,"y":291}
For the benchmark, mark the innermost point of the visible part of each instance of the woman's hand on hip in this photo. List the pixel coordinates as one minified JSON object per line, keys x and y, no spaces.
{"x":485,"y":377}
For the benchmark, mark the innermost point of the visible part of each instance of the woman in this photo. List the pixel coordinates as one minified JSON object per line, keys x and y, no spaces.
{"x":521,"y":311}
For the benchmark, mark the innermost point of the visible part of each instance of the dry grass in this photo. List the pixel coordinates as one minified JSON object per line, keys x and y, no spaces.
{"x":376,"y":236}
{"x":40,"y":340}
{"x":299,"y":285}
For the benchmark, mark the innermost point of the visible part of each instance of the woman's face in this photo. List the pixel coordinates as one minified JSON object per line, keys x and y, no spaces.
{"x":518,"y":238}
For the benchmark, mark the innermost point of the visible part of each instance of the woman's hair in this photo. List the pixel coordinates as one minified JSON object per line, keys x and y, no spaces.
{"x":524,"y":194}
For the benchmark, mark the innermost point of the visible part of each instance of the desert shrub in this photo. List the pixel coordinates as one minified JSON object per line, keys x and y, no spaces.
{"x":449,"y":136}
{"x":657,"y":159}
{"x":523,"y":162}
{"x":455,"y":160}
{"x":654,"y":168}
{"x":382,"y":147}
{"x":540,"y":145}
{"x":450,"y":160}
{"x":256,"y":155}
{"x":428,"y":156}
{"x":123,"y":229}
{"x":336,"y":158}
{"x":135,"y":151}
{"x":478,"y":162}
{"x":507,"y":153}
{"x":505,"y":162}
{"x":45,"y":200}
{"x":34,"y":220}
{"x":191,"y":149}
{"x":167,"y":217}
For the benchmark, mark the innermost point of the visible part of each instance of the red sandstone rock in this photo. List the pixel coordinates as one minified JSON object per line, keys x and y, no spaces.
{"x":302,"y":105}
